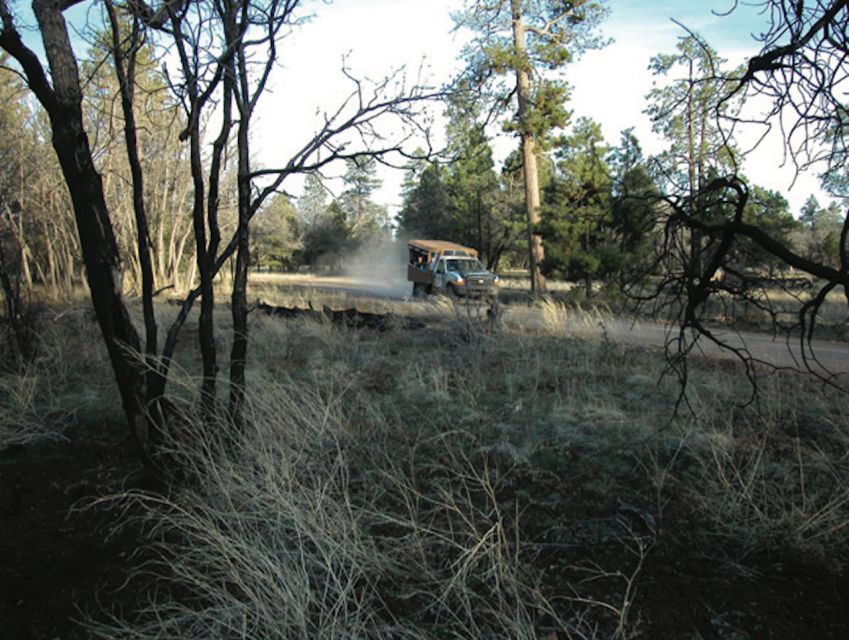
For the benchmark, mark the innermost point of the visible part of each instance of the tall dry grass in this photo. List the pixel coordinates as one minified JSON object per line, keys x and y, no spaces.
{"x":66,"y":382}
{"x":472,"y":479}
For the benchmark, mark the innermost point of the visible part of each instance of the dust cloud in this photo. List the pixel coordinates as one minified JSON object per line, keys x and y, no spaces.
{"x":379,"y":269}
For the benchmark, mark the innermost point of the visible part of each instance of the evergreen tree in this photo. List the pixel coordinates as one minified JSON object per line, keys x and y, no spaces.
{"x":577,"y":211}
{"x":479,"y":219}
{"x":321,"y":226}
{"x":312,"y":205}
{"x":426,"y":208}
{"x":821,"y":239}
{"x":810,"y":212}
{"x":769,"y":211}
{"x":328,"y":240}
{"x":684,"y":111}
{"x":274,"y":235}
{"x":367,"y":221}
{"x":634,"y":203}
{"x":517,"y":46}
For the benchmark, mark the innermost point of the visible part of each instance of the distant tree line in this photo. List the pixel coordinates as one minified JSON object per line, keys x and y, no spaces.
{"x":39,"y":244}
{"x":603,"y":207}
{"x":599,"y":214}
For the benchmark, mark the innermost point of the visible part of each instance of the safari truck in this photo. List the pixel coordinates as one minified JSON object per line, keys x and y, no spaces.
{"x":437,"y":265}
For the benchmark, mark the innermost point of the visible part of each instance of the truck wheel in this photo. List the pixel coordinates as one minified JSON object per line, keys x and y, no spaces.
{"x":418,"y":290}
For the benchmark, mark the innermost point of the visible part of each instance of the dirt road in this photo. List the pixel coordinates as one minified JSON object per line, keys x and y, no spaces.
{"x":830,"y":357}
{"x":825,"y":357}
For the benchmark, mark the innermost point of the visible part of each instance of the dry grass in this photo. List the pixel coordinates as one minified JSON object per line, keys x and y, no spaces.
{"x":472,"y":479}
{"x":779,"y":480}
{"x":378,"y":491}
{"x":65,"y":383}
{"x":306,"y":527}
{"x":579,"y":320}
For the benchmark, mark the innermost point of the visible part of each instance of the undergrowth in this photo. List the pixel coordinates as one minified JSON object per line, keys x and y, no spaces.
{"x":476,"y":479}
{"x":65,"y":382}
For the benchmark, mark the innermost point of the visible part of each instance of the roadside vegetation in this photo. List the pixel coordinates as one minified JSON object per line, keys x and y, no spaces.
{"x":446,"y":470}
{"x":471,"y":480}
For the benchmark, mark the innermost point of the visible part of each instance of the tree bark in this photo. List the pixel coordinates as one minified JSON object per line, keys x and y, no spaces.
{"x":239,"y":299}
{"x":125,"y":70}
{"x":203,"y":214}
{"x":62,"y":100}
{"x":530,"y":171}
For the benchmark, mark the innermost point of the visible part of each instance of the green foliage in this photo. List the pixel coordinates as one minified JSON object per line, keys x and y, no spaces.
{"x":463,"y":201}
{"x":634,"y":202}
{"x":354,"y":220}
{"x":684,"y":111}
{"x":312,"y":204}
{"x":820,"y":234}
{"x":770,"y":211}
{"x":484,"y":219}
{"x":274,"y":237}
{"x":367,"y":221}
{"x":577,"y":208}
{"x":426,"y":209}
{"x":810,"y":212}
{"x":321,"y":226}
{"x":599,"y":209}
{"x":327,"y":239}
{"x":813,"y":216}
{"x":557,"y":32}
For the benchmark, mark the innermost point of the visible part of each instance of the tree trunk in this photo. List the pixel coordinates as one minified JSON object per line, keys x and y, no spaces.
{"x":155,"y":376}
{"x":239,"y":299}
{"x":203,"y":214}
{"x":62,"y":100}
{"x":530,"y":171}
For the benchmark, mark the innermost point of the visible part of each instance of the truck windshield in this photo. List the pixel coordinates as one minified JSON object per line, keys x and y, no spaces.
{"x":464,"y":265}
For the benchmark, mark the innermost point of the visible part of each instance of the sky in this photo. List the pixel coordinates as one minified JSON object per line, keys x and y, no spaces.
{"x":609,"y":85}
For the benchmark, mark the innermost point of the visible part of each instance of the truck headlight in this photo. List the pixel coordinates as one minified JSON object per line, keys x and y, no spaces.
{"x":460,"y":282}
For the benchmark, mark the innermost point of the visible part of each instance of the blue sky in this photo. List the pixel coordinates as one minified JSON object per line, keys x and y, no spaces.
{"x":609,"y":85}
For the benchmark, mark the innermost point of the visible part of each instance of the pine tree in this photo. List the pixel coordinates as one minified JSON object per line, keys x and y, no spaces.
{"x":577,"y":212}
{"x":518,"y":45}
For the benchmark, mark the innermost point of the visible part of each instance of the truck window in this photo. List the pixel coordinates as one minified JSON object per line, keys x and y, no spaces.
{"x":463,"y":266}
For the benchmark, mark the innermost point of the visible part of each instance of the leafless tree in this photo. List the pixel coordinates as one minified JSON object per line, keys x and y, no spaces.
{"x":217,"y":44}
{"x":801,"y":70}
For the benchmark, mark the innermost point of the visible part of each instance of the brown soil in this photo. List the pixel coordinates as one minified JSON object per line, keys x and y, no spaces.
{"x":60,"y":560}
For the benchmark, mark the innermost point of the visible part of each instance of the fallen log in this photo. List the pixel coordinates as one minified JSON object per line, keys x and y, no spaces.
{"x":353,"y":318}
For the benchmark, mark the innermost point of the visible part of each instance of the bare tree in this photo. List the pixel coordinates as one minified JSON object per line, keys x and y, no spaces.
{"x":802,"y":71}
{"x":58,"y":90}
{"x":216,"y":44}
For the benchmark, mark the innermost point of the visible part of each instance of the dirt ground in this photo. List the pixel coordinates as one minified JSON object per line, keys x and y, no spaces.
{"x":59,"y":561}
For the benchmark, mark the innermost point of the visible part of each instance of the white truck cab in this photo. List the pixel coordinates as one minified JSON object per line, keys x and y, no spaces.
{"x":438,"y":265}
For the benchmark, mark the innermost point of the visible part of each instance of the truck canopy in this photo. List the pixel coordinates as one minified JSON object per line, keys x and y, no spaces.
{"x":422,"y":253}
{"x":429,"y":248}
